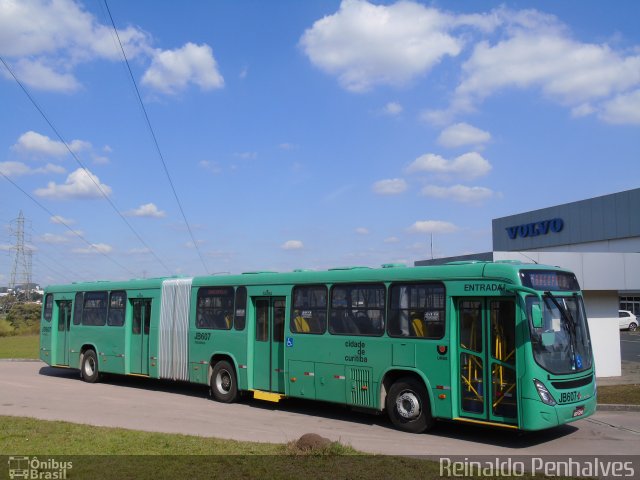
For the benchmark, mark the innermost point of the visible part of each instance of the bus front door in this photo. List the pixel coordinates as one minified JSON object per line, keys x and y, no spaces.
{"x":64,"y":322}
{"x":268,"y":359}
{"x":140,"y":336}
{"x":486,"y":335}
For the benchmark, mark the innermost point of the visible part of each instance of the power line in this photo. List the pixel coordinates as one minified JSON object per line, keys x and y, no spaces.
{"x":91,"y":245}
{"x":155,"y":140}
{"x":79,"y":162}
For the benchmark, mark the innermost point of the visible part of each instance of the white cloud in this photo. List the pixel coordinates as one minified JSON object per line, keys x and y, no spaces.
{"x":147,"y":210}
{"x":53,"y":238}
{"x":459,"y":193}
{"x":393,"y":109}
{"x":36,"y":143}
{"x":432,"y":226}
{"x":173,"y":70}
{"x":79,"y":184}
{"x":53,"y":37}
{"x":366,"y":45}
{"x":392,"y":240}
{"x":538,"y":52}
{"x":15,"y":169}
{"x":469,"y":165}
{"x":95,"y":248}
{"x":246,"y":155}
{"x":286,"y":146}
{"x":582,"y":110}
{"x":623,"y":109}
{"x":212,"y":167}
{"x":392,"y":186}
{"x":362,"y":231}
{"x":462,"y":134}
{"x":39,"y":75}
{"x":138,"y":251}
{"x":59,"y":220}
{"x":292,"y":245}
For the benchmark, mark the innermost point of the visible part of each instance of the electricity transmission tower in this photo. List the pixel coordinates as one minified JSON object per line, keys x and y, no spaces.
{"x":21,"y":271}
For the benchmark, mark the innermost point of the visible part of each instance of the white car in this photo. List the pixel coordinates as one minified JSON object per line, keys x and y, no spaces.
{"x":627,"y":321}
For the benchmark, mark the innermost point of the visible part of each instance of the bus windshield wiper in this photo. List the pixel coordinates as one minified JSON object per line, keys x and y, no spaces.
{"x":571,"y":323}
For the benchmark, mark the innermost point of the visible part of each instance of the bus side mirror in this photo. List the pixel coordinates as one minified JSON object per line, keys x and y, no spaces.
{"x":536,"y":316}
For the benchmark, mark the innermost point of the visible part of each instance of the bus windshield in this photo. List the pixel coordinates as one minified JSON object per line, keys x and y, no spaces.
{"x":562,"y":345}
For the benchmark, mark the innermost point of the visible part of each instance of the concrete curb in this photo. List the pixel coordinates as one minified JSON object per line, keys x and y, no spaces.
{"x":20,"y":360}
{"x":616,"y":407}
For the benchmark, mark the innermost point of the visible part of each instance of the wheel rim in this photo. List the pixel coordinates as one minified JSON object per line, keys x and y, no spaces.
{"x":223,"y":381}
{"x":408,"y":405}
{"x":632,"y":327}
{"x":90,"y":367}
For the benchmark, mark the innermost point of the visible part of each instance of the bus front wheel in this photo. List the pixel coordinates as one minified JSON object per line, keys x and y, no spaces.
{"x":408,"y":406}
{"x":89,"y":367}
{"x":224,"y":387}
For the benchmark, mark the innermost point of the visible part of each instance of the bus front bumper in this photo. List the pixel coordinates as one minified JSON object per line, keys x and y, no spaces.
{"x":539,"y":416}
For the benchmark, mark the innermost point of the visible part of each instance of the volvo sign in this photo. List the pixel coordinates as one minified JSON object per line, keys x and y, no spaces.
{"x":535,"y":229}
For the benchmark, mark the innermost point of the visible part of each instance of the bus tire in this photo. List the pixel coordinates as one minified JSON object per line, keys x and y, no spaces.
{"x":224,"y":386}
{"x":408,"y":406}
{"x":89,"y":367}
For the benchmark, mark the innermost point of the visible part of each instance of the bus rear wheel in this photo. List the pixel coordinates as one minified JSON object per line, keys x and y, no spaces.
{"x":89,"y":367}
{"x":408,"y":406}
{"x":224,"y":386}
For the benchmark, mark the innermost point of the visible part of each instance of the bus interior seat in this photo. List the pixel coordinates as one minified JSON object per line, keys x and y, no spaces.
{"x":419,"y":329}
{"x":301,"y":324}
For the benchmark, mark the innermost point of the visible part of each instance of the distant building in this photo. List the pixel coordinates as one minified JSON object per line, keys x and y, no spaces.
{"x":598,"y":239}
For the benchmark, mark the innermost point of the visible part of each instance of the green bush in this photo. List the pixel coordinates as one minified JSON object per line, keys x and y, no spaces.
{"x":25,"y":318}
{"x":6,"y":330}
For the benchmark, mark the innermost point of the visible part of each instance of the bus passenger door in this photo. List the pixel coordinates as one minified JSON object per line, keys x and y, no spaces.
{"x":268,"y":360}
{"x":64,"y":322}
{"x":486,"y":335}
{"x":141,"y":320}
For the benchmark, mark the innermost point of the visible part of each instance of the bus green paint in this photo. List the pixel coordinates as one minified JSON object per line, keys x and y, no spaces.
{"x":353,"y":369}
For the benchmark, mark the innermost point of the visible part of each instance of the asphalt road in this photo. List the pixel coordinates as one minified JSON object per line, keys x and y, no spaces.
{"x":630,"y":346}
{"x":33,"y":389}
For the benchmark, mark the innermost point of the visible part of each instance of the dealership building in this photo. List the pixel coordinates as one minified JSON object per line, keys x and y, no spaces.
{"x":599,"y":240}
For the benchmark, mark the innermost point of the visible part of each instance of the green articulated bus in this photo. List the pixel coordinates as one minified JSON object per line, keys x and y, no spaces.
{"x":493,"y":343}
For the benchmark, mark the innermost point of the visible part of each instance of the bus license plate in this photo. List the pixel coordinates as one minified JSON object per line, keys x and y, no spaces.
{"x":578,"y":412}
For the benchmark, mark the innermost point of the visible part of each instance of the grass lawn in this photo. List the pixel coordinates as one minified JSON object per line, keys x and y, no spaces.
{"x":115,"y":453}
{"x":19,"y":346}
{"x":100,"y":452}
{"x":622,"y":394}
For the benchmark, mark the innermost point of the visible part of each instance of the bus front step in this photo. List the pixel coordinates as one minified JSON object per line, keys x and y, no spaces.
{"x":268,"y":396}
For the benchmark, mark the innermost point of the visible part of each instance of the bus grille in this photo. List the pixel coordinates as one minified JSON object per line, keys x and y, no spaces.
{"x":569,"y":384}
{"x":360,"y":386}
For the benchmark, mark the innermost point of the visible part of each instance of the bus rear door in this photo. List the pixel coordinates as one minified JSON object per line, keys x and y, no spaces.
{"x":487,"y":360}
{"x":64,"y":322}
{"x":268,"y":360}
{"x":140,"y":336}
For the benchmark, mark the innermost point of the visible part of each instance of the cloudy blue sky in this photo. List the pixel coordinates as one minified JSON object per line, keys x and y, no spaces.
{"x":303,"y":134}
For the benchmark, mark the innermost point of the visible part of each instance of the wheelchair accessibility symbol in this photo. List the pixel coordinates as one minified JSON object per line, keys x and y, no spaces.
{"x":289,"y":341}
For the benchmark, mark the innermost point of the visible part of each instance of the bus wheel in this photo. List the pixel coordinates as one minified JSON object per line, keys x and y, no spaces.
{"x":408,"y":406}
{"x":89,"y":367}
{"x":224,"y":387}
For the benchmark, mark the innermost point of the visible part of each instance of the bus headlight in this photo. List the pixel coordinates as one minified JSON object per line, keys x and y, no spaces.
{"x":545,"y":396}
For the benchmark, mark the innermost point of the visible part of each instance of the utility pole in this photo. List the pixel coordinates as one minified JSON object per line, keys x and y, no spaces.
{"x":21,"y":271}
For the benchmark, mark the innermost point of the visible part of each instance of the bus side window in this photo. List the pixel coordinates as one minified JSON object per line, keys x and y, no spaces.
{"x":117,"y":304}
{"x":215,"y":308}
{"x":240,"y":311}
{"x":417,"y":310}
{"x":357,"y":309}
{"x":309,"y":312}
{"x":95,"y":308}
{"x":77,"y":308}
{"x":48,"y":307}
